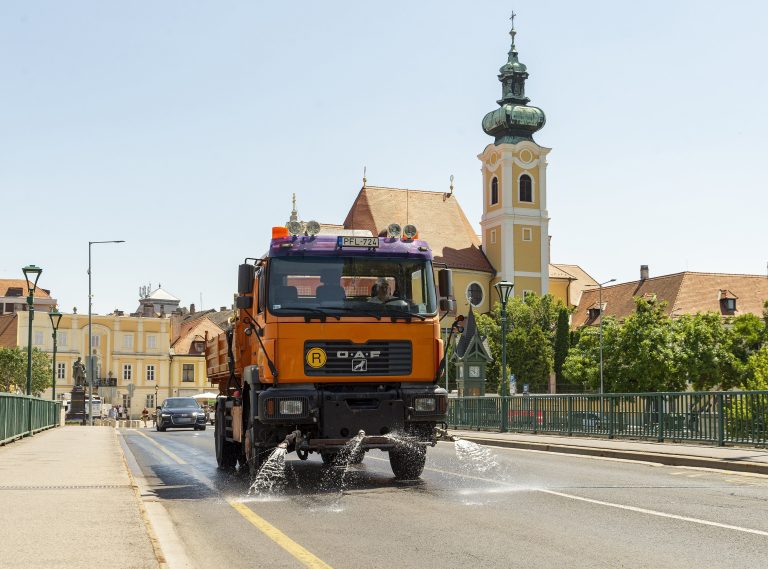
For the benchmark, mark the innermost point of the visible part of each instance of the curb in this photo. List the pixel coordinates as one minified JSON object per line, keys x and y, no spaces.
{"x":666,"y":459}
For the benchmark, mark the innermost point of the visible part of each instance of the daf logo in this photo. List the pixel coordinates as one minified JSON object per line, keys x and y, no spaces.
{"x":359,"y":354}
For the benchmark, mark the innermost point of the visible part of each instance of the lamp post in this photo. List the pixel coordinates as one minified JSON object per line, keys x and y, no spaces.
{"x":29,"y":272}
{"x":55,"y":317}
{"x":600,"y":305}
{"x":90,"y":354}
{"x":504,"y":290}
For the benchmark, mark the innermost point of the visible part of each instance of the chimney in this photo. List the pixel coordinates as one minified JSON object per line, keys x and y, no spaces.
{"x":643,"y":272}
{"x":191,"y":308}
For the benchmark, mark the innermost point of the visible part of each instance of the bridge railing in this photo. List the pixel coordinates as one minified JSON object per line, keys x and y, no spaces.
{"x":21,"y":416}
{"x":716,"y":417}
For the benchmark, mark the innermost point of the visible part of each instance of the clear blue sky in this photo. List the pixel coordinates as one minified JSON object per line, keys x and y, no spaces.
{"x":184,"y":127}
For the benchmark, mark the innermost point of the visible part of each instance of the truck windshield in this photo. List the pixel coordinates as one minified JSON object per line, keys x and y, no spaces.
{"x":366,"y":285}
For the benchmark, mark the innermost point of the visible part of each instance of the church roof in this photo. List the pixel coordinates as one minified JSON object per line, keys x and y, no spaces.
{"x":437,"y":215}
{"x":470,"y":336}
{"x":580,"y":280}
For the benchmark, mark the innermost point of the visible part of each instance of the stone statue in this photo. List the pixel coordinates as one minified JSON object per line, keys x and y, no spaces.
{"x":78,"y":372}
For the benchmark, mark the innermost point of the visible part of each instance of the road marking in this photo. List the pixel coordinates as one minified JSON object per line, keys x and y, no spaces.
{"x":173,"y":455}
{"x":655,"y":513}
{"x":303,"y":555}
{"x":610,"y":504}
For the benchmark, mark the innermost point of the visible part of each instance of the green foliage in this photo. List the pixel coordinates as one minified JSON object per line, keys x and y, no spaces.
{"x":703,"y":352}
{"x":531,"y":325}
{"x":756,"y":376}
{"x":562,"y":343}
{"x":13,"y":370}
{"x":748,"y":336}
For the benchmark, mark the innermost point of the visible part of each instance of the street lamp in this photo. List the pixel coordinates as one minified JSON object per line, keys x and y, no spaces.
{"x":55,"y":317}
{"x":504,"y":290}
{"x":30,"y":271}
{"x":90,"y":354}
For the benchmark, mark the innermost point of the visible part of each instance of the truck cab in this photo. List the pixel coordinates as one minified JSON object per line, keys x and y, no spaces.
{"x":334,"y":337}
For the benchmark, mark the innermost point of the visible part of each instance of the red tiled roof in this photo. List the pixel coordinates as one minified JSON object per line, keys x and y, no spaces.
{"x":437,"y":215}
{"x":684,"y":293}
{"x":5,"y":284}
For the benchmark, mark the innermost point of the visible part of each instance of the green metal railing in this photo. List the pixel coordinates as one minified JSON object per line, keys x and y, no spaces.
{"x":717,"y":417}
{"x":19,"y":412}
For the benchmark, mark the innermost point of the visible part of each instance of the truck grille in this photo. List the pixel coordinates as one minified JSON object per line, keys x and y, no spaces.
{"x":377,"y":357}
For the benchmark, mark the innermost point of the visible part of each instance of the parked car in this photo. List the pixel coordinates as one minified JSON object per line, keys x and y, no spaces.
{"x":587,"y":420}
{"x":180,"y":412}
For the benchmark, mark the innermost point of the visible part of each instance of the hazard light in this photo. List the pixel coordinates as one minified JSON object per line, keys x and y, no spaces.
{"x":278,"y":232}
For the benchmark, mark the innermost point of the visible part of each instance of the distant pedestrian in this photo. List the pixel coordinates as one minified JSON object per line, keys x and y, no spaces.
{"x":145,"y":416}
{"x":113,"y":412}
{"x":120,"y":412}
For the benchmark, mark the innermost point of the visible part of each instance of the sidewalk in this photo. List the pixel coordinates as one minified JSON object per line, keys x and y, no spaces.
{"x":741,"y":459}
{"x":66,"y":500}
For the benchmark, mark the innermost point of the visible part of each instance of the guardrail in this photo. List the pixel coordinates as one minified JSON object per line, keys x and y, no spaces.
{"x":717,"y":417}
{"x":22,"y":416}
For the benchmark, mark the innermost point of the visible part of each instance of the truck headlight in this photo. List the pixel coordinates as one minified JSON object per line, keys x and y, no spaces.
{"x":424,"y":404}
{"x":291,"y":407}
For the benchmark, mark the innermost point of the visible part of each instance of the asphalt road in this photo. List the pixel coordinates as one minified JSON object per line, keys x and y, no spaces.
{"x":531,"y":509}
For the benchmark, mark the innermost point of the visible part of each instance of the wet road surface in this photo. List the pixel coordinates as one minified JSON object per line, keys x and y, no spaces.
{"x":513,"y":509}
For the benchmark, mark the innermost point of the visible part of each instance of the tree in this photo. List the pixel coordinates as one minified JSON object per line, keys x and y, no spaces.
{"x":582,"y":364}
{"x":703,"y":352}
{"x":562,"y":343}
{"x":531,"y":324}
{"x":749,"y":334}
{"x":757,"y":371}
{"x":13,"y":370}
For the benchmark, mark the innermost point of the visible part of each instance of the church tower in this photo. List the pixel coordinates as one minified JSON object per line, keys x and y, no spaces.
{"x":515,"y":223}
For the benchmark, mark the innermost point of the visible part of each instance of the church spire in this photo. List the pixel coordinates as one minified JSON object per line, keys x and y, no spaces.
{"x":294,"y":213}
{"x":515,"y":120}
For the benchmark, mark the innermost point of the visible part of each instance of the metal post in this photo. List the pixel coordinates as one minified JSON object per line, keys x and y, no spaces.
{"x":53,"y":394}
{"x":90,"y":359}
{"x":28,"y":271}
{"x":504,"y":390}
{"x":88,"y":355}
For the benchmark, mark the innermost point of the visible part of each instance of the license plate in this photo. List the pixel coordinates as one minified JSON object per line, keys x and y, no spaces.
{"x":358,"y":242}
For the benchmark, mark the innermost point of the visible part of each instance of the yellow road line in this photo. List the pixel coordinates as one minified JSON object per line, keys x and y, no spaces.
{"x":307,"y":558}
{"x":173,"y":455}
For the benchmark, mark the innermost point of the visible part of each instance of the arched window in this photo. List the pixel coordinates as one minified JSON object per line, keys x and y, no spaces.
{"x":494,"y":191}
{"x":475,"y":294}
{"x":526,"y":188}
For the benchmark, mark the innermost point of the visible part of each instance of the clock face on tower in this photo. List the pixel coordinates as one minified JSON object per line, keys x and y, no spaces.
{"x":474,"y":371}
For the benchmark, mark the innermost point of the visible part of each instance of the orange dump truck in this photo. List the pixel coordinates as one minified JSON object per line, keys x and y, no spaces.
{"x":334,"y":338}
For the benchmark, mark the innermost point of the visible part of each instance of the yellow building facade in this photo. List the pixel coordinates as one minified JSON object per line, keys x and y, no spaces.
{"x":130,"y":351}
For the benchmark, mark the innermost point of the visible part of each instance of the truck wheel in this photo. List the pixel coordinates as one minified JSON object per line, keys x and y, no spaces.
{"x":226,"y":451}
{"x":407,"y":462}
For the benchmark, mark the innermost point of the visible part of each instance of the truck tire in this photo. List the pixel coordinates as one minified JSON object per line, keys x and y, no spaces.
{"x":407,"y":462}
{"x":226,"y":451}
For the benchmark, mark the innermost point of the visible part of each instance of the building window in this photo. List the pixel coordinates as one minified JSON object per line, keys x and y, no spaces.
{"x":61,"y":338}
{"x":494,"y":191}
{"x":61,"y":370}
{"x":188,"y":372}
{"x":126,"y":402}
{"x":151,"y":342}
{"x":128,"y":341}
{"x":526,"y":188}
{"x":475,"y":294}
{"x":150,"y":373}
{"x":150,"y":401}
{"x":95,"y":341}
{"x":493,"y":236}
{"x":527,"y":234}
{"x":127,"y":372}
{"x":38,"y":338}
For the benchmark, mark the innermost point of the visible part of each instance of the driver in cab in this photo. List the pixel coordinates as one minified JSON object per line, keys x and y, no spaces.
{"x":381,"y":292}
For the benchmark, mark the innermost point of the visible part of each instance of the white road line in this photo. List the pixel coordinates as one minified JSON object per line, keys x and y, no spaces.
{"x":601,"y":503}
{"x":655,"y":513}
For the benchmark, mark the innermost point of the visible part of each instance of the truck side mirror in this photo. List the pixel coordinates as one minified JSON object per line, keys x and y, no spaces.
{"x":445,"y":283}
{"x":244,"y":302}
{"x":245,"y":275}
{"x":448,"y":305}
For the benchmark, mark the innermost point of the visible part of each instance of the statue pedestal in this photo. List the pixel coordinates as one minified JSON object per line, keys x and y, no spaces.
{"x":77,"y":405}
